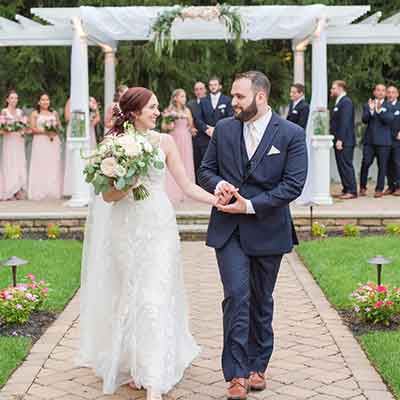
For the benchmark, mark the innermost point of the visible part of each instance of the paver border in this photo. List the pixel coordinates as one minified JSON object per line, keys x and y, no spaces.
{"x":368,"y":379}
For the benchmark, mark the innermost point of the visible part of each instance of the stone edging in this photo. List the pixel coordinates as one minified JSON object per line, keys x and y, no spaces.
{"x":24,"y":376}
{"x":370,"y":382}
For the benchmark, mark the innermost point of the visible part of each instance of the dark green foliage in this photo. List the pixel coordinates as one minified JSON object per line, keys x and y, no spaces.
{"x":32,"y":70}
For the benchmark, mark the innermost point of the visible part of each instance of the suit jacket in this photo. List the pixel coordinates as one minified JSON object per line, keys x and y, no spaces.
{"x":379,"y":126}
{"x":271,"y":182}
{"x":209,"y":116}
{"x":299,"y":114}
{"x":342,"y":122}
{"x":396,"y":123}
{"x":194,"y":108}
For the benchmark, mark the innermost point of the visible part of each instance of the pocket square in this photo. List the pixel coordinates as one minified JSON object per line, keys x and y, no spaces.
{"x":273,"y":150}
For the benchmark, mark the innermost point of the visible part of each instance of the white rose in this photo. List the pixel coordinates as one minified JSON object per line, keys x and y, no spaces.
{"x":132,"y":149}
{"x":119,"y":170}
{"x":108,"y":166}
{"x":125,"y":139}
{"x":148,"y":148}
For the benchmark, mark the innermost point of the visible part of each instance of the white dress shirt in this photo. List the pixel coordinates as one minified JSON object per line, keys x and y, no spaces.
{"x":215,"y":99}
{"x":340,"y":98}
{"x":253,"y":131}
{"x":376,"y":105}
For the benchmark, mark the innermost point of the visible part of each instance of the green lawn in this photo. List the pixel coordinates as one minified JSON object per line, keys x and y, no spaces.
{"x":58,"y":263}
{"x":339,"y":265}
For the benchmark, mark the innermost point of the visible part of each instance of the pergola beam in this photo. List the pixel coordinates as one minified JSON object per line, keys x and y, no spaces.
{"x":361,"y":34}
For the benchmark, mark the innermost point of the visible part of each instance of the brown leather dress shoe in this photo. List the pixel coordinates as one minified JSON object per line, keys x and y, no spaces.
{"x":257,"y":381}
{"x":378,"y":195}
{"x":348,"y":196}
{"x":388,"y":192}
{"x":363,"y":192}
{"x":238,"y":389}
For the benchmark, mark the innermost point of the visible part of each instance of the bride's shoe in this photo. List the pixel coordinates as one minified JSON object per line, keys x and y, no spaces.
{"x":152,"y":395}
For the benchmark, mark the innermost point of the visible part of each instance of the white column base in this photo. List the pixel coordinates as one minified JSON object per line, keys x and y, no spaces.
{"x":80,"y":189}
{"x":321,"y":175}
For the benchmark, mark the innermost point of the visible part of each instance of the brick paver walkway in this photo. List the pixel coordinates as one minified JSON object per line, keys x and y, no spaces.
{"x":316,"y":357}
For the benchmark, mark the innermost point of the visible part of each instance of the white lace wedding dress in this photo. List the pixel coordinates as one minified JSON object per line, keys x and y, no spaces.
{"x":134,"y":317}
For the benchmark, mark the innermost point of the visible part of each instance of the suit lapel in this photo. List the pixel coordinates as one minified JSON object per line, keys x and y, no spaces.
{"x":265,"y":144}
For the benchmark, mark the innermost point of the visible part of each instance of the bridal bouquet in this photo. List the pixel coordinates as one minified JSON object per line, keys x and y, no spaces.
{"x":122,"y":161}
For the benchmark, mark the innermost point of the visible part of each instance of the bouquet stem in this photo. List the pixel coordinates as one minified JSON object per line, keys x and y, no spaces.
{"x":140,"y":193}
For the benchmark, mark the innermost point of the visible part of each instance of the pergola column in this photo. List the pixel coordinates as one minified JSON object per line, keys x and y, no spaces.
{"x":79,"y":106}
{"x":109,"y":76}
{"x":317,"y":188}
{"x":299,"y":49}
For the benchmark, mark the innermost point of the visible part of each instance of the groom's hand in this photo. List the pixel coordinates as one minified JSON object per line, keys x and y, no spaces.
{"x":224,"y":191}
{"x":238,"y":207}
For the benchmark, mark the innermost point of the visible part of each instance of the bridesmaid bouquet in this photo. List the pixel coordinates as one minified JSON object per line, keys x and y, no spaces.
{"x":11,"y":125}
{"x":52,"y":126}
{"x":122,"y":161}
{"x":170,"y":116}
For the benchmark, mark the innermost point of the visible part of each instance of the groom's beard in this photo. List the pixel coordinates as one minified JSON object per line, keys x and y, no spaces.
{"x":248,"y":113}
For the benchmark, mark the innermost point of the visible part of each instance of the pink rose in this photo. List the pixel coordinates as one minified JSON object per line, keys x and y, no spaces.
{"x":389,"y":303}
{"x":381,"y":289}
{"x":379,"y":304}
{"x":45,"y":290}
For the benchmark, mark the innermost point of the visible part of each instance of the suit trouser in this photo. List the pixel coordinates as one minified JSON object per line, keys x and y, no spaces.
{"x":248,"y":306}
{"x":393,"y":173}
{"x":199,"y":150}
{"x":344,"y":162}
{"x":382,"y":153}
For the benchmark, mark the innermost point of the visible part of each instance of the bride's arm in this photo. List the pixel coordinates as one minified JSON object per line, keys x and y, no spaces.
{"x":177,"y":169}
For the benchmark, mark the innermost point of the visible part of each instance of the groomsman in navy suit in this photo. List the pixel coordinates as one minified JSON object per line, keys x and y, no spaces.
{"x":393,"y":175}
{"x":342,"y":128}
{"x":377,"y":140}
{"x":200,"y":91}
{"x":298,"y":107}
{"x":256,"y":163}
{"x":213,"y":108}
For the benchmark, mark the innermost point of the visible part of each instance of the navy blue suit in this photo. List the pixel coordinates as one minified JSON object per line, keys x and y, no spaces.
{"x":342,"y":128}
{"x":249,"y":247}
{"x":207,"y":115}
{"x":299,"y":114}
{"x":377,"y":143}
{"x":393,"y":174}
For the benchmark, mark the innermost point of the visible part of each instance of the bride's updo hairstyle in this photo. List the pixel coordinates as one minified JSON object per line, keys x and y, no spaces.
{"x":131,"y":102}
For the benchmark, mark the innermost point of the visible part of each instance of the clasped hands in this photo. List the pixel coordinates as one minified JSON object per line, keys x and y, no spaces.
{"x":224,"y":194}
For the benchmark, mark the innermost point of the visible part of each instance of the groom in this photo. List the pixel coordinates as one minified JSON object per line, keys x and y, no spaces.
{"x":256,"y":163}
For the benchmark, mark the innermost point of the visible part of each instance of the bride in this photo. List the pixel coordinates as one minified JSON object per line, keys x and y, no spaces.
{"x":134,"y":319}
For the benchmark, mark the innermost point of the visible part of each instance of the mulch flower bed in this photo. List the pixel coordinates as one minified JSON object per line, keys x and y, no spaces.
{"x":360,"y":327}
{"x":34,"y":328}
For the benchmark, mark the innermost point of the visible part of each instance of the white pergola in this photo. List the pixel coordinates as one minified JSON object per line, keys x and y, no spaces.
{"x":315,"y":25}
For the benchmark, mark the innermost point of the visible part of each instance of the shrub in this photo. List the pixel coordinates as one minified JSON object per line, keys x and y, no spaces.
{"x":17,"y":303}
{"x":318,"y":230}
{"x":53,"y":231}
{"x":12,"y":231}
{"x":351,"y":230}
{"x":392,"y":229}
{"x":376,"y":304}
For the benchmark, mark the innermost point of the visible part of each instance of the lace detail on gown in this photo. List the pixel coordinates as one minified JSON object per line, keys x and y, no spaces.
{"x":134,"y":318}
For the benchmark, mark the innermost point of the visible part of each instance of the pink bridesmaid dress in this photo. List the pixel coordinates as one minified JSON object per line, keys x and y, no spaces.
{"x":183,"y":139}
{"x":45,"y":175}
{"x":14,"y":174}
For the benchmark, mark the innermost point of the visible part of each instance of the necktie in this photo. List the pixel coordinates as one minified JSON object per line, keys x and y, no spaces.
{"x":252,"y":142}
